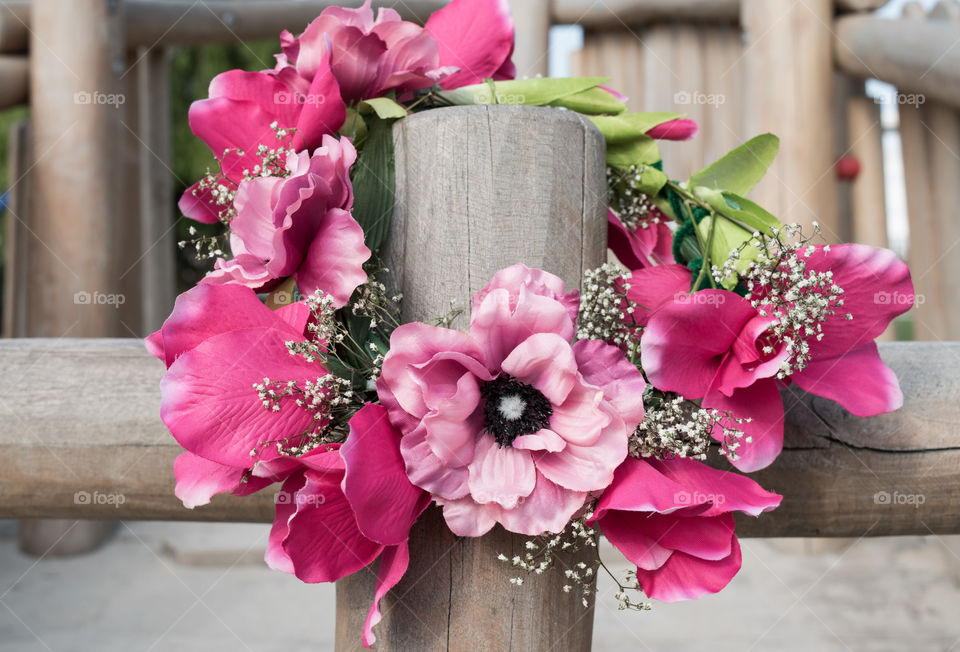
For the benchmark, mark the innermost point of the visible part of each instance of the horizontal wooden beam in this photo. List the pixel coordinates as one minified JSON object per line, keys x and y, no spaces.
{"x":183,"y":22}
{"x":14,"y":80}
{"x":80,"y":437}
{"x":916,"y":56}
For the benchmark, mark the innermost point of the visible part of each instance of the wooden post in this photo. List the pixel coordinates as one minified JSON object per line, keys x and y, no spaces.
{"x":76,"y":185}
{"x":867,"y":190}
{"x":788,"y":66}
{"x":478,"y":189}
{"x":531,"y":53}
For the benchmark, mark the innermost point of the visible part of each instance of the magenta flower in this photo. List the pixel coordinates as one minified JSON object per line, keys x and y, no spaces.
{"x":476,"y":37}
{"x":715,"y":345}
{"x":298,"y":226}
{"x":509,"y":423}
{"x":345,"y":508}
{"x":236,"y":119}
{"x":674,"y":520}
{"x":645,"y":246}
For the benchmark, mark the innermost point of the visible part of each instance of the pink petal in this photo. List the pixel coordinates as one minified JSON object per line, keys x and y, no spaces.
{"x":545,"y":361}
{"x":198,"y":479}
{"x":467,"y":518}
{"x":639,"y":487}
{"x":474,"y":35}
{"x":652,"y":287}
{"x":503,"y":320}
{"x":625,"y":531}
{"x":876,"y":288}
{"x":428,"y":471}
{"x":393,"y":564}
{"x":858,"y":380}
{"x":686,"y":340}
{"x":208,"y":310}
{"x":209,"y":404}
{"x":685,"y":577}
{"x":581,"y":419}
{"x":455,"y":424}
{"x":588,"y":467}
{"x":622,"y":383}
{"x":519,"y":279}
{"x":375,"y":483}
{"x":548,"y":508}
{"x":323,"y":111}
{"x":678,"y":129}
{"x":502,"y":475}
{"x":334,"y":261}
{"x":762,"y":404}
{"x":198,"y":204}
{"x":542,"y":440}
{"x":726,"y":491}
{"x":276,"y":557}
{"x":705,"y":537}
{"x":323,"y":540}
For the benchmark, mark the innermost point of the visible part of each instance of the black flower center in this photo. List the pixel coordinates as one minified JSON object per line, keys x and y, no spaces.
{"x":513,"y":408}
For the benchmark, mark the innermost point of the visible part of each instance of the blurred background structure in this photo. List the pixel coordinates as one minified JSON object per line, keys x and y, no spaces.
{"x":95,"y":149}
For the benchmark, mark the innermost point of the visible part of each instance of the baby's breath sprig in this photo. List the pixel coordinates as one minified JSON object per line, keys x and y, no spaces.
{"x":674,"y":426}
{"x":634,"y":207}
{"x":778,"y":283}
{"x":606,"y":310}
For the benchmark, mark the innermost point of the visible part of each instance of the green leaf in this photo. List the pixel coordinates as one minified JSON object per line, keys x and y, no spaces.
{"x":741,"y":209}
{"x":373,"y":184}
{"x":354,"y":127}
{"x":384,"y":107}
{"x":592,"y":101}
{"x":642,"y":151}
{"x":728,"y":236}
{"x":651,"y":180}
{"x":531,"y":92}
{"x":629,"y":126}
{"x":739,"y":170}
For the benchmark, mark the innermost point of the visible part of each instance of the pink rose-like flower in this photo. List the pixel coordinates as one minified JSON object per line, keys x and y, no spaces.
{"x":716,"y":346}
{"x":509,"y":423}
{"x":645,"y":246}
{"x":674,"y":520}
{"x":299,"y":226}
{"x":238,"y":116}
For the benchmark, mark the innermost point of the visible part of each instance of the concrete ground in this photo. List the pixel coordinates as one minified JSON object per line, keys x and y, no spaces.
{"x":186,"y":587}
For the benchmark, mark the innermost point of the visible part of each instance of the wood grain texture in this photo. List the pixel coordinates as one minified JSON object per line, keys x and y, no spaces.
{"x":479,"y":189}
{"x":916,"y":56}
{"x":83,"y":416}
{"x":788,"y":69}
{"x":867,"y":190}
{"x":532,"y":20}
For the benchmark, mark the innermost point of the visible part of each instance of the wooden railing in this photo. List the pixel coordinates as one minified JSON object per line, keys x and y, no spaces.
{"x":82,"y":416}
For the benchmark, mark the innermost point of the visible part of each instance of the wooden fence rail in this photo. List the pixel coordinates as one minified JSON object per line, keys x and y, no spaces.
{"x":82,"y":416}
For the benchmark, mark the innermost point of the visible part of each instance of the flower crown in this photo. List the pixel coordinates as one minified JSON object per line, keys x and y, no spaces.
{"x":558,"y":415}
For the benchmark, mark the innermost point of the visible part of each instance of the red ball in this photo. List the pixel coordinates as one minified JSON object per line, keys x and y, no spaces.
{"x":848,"y":167}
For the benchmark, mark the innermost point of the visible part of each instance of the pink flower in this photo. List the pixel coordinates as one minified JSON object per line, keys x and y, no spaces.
{"x":475,"y":36}
{"x":237,"y":117}
{"x":509,"y":423}
{"x":345,"y":508}
{"x":298,"y":226}
{"x":715,"y":345}
{"x":674,"y":520}
{"x":678,"y":129}
{"x":217,"y":343}
{"x":647,"y":245}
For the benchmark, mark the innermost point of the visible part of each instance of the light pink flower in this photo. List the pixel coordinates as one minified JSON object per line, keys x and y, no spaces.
{"x":509,"y":423}
{"x":674,"y":520}
{"x":237,"y":117}
{"x":298,"y":226}
{"x":716,"y":346}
